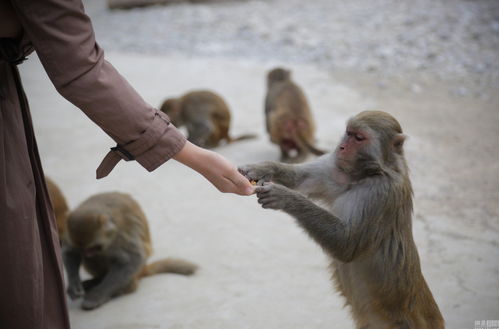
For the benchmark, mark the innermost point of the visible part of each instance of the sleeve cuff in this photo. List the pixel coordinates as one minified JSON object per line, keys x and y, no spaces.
{"x":156,"y":145}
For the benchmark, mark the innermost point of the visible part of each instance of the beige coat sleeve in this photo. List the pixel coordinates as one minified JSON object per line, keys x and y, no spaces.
{"x":64,"y":40}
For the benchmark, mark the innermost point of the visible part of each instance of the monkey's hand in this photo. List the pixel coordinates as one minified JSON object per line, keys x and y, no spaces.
{"x":75,"y":290}
{"x":275,"y":196}
{"x":259,"y":172}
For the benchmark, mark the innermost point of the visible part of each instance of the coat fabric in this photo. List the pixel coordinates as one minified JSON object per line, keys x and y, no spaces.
{"x":32,"y":293}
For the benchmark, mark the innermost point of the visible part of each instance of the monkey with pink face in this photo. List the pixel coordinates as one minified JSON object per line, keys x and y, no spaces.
{"x":364,"y":222}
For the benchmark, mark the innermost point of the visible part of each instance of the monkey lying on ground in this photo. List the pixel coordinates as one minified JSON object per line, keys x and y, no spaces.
{"x":365,"y":225}
{"x":60,"y":206}
{"x":205,"y":115}
{"x":288,"y":118}
{"x":109,"y":234}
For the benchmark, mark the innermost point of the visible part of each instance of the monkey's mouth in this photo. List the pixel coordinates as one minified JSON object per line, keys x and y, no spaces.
{"x":92,"y":251}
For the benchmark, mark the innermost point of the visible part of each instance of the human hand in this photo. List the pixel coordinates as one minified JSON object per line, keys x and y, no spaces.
{"x":215,"y":168}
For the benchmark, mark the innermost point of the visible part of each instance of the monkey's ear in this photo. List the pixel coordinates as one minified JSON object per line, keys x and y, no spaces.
{"x":398,"y":143}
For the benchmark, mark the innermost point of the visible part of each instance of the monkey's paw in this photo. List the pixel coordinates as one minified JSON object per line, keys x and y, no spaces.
{"x":274,"y":196}
{"x":260,"y":173}
{"x":75,"y":291}
{"x":91,"y":302}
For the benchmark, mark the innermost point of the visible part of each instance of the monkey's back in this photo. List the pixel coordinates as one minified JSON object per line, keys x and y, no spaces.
{"x":59,"y":204}
{"x":131,"y":227}
{"x":207,"y":105}
{"x":288,"y":112}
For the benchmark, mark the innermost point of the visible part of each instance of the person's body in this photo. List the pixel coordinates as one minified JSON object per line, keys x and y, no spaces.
{"x":31,"y":281}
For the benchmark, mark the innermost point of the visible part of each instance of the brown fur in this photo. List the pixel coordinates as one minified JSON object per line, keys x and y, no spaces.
{"x":364,"y":223}
{"x":59,"y":205}
{"x":109,"y":234}
{"x":288,"y":117}
{"x":205,"y":115}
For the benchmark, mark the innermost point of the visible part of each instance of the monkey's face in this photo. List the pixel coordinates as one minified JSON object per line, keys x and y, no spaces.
{"x":172,"y":108}
{"x":91,"y":233}
{"x":353,"y":142}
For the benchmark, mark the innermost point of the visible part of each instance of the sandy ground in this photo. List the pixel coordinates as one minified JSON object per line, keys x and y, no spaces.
{"x":258,"y":269}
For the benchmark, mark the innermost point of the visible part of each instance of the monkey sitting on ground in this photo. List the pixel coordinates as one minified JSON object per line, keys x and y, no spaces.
{"x":109,"y":234}
{"x":365,"y":225}
{"x":59,"y":205}
{"x":205,"y":115}
{"x":288,"y":117}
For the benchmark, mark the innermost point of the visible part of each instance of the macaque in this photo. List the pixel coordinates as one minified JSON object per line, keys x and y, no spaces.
{"x":362,"y":220}
{"x":59,"y":205}
{"x":205,"y":115}
{"x":288,"y":117}
{"x":108,"y":233}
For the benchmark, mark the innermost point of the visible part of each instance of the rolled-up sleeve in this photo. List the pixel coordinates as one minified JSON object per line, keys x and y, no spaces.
{"x":64,"y":40}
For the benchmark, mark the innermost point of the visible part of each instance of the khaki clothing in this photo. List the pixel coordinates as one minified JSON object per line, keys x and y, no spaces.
{"x":31,"y":281}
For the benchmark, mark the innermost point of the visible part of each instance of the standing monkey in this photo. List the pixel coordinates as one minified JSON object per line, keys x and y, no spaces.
{"x":365,"y":225}
{"x":205,"y":115}
{"x":288,"y":117}
{"x":109,"y":234}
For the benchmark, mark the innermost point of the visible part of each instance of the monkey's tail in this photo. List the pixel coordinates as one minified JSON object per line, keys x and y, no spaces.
{"x":314,"y":150}
{"x":169,"y":265}
{"x":242,"y":137}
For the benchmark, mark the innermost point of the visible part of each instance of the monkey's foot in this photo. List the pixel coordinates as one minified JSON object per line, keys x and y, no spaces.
{"x":75,"y":291}
{"x":90,"y":303}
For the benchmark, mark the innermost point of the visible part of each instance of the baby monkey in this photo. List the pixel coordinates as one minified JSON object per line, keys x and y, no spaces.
{"x":364,"y":223}
{"x":108,"y":233}
{"x":205,"y":115}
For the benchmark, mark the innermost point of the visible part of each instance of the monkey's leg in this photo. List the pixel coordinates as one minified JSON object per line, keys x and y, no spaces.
{"x":72,"y":261}
{"x":200,"y":131}
{"x":121,"y":273}
{"x":301,"y":155}
{"x":91,"y":283}
{"x":284,"y":154}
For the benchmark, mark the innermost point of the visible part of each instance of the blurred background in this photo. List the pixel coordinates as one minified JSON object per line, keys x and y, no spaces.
{"x":433,"y":64}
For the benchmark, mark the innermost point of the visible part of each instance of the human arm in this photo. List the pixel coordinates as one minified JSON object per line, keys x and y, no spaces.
{"x":215,"y":168}
{"x":63,"y":38}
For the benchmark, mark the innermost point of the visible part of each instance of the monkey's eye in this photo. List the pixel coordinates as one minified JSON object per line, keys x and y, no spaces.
{"x":359,"y":137}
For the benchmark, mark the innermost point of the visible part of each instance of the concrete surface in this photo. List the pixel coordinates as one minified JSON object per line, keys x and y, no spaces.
{"x":258,"y":269}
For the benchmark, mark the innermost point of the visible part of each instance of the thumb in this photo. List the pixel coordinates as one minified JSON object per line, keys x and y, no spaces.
{"x":243,"y":186}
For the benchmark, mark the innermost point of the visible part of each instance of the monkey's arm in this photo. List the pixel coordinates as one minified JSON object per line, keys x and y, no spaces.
{"x":281,"y":173}
{"x":314,"y":178}
{"x":72,"y":261}
{"x":119,"y":277}
{"x":326,"y":229}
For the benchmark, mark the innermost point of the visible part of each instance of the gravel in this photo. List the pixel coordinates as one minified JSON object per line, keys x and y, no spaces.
{"x":458,"y":38}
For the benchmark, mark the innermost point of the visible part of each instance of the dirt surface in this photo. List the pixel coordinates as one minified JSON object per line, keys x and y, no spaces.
{"x":258,"y":269}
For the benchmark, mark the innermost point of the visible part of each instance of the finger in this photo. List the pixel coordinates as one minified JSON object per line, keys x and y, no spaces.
{"x":262,"y":195}
{"x":242,"y":185}
{"x":263,"y":188}
{"x":243,"y":170}
{"x":270,"y":205}
{"x":263,"y":198}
